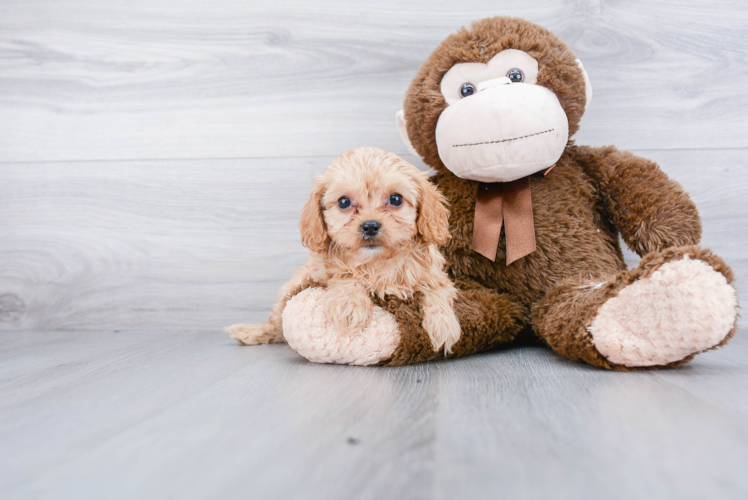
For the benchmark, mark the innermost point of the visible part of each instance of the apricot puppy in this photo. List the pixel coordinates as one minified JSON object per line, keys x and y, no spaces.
{"x":372,"y":225}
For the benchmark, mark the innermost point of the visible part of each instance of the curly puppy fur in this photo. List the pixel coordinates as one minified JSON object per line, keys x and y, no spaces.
{"x":579,"y":209}
{"x":401,"y":259}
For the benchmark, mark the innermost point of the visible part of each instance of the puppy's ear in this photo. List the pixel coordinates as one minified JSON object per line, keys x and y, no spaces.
{"x":433,"y":215}
{"x":312,"y":223}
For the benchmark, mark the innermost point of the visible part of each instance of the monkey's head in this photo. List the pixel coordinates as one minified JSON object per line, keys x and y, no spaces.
{"x":495,"y":102}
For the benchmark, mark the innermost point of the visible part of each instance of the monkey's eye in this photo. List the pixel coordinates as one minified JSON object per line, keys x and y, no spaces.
{"x":396,"y":200}
{"x":515,"y":75}
{"x":344,"y":202}
{"x":467,"y":89}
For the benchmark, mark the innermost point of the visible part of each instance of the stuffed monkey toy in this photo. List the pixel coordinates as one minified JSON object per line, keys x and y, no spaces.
{"x":535,"y":221}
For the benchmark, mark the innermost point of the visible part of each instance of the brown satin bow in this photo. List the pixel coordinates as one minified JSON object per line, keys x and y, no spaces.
{"x":510,"y":202}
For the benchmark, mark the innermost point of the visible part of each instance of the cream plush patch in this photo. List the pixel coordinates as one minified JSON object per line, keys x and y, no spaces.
{"x":309,"y":332}
{"x":683,"y":308}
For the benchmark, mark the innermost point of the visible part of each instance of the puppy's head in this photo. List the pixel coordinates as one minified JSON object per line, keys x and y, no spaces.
{"x":371,"y":204}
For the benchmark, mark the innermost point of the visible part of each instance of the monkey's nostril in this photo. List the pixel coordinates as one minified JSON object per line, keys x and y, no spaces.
{"x":370,"y":228}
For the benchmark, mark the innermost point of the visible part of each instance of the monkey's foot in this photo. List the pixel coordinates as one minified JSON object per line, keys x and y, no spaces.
{"x":683,"y":308}
{"x":309,"y":331}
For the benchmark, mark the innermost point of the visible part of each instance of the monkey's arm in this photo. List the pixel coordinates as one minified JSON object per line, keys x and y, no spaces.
{"x":651,"y":211}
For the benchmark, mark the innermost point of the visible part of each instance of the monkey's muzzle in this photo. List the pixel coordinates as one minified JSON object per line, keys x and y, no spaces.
{"x":503,"y":133}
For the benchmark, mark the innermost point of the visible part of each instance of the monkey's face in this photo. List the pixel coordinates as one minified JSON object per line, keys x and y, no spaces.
{"x":499,"y":126}
{"x":496,"y":102}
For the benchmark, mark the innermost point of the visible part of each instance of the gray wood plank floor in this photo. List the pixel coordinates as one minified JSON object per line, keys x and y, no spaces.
{"x":154,"y":155}
{"x":192,"y":415}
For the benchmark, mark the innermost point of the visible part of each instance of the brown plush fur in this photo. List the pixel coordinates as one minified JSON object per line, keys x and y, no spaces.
{"x":562,"y":317}
{"x":490,"y":318}
{"x":579,"y":209}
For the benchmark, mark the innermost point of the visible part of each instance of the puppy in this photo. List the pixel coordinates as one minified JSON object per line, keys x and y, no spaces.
{"x":372,"y":225}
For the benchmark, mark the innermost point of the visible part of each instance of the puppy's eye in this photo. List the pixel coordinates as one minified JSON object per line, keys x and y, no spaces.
{"x":344,"y":202}
{"x":396,"y":200}
{"x":467,"y":89}
{"x":515,"y":75}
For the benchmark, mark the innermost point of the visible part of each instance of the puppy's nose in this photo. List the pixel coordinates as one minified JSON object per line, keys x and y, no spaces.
{"x":370,"y":228}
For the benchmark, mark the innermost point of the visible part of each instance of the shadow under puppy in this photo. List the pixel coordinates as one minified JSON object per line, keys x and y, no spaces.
{"x":372,"y":225}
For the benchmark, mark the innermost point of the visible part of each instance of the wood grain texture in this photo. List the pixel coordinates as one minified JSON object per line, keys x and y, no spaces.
{"x":122,"y":244}
{"x":154,"y":156}
{"x":201,"y":244}
{"x":174,"y":79}
{"x":194,"y":415}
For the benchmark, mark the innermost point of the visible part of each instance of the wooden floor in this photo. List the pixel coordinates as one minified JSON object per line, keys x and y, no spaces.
{"x":192,"y":415}
{"x":154,"y":155}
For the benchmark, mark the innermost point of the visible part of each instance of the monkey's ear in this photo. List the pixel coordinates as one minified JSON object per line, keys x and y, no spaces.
{"x":433,"y":215}
{"x":587,"y":85}
{"x":403,"y":129}
{"x":312,"y":223}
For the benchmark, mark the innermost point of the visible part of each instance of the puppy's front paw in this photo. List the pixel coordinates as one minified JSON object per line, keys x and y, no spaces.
{"x":443,"y":329}
{"x":259,"y":333}
{"x":348,"y":311}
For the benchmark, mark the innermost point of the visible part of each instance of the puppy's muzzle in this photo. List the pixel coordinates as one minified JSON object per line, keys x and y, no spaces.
{"x":370,"y":228}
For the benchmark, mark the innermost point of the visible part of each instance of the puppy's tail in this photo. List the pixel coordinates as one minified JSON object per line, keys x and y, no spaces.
{"x":260,"y":333}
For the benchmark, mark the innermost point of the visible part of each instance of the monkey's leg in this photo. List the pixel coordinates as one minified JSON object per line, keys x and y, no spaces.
{"x":312,"y":333}
{"x":395,"y":335}
{"x":675,"y":304}
{"x":487,"y":319}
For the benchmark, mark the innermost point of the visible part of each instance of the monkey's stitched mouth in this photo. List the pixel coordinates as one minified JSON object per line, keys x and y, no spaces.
{"x":503,"y":140}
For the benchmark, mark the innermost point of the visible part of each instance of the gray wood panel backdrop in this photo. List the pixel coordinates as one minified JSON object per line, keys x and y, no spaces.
{"x":154,"y":155}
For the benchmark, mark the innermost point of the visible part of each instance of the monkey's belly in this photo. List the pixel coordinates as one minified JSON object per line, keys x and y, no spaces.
{"x":572,"y":238}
